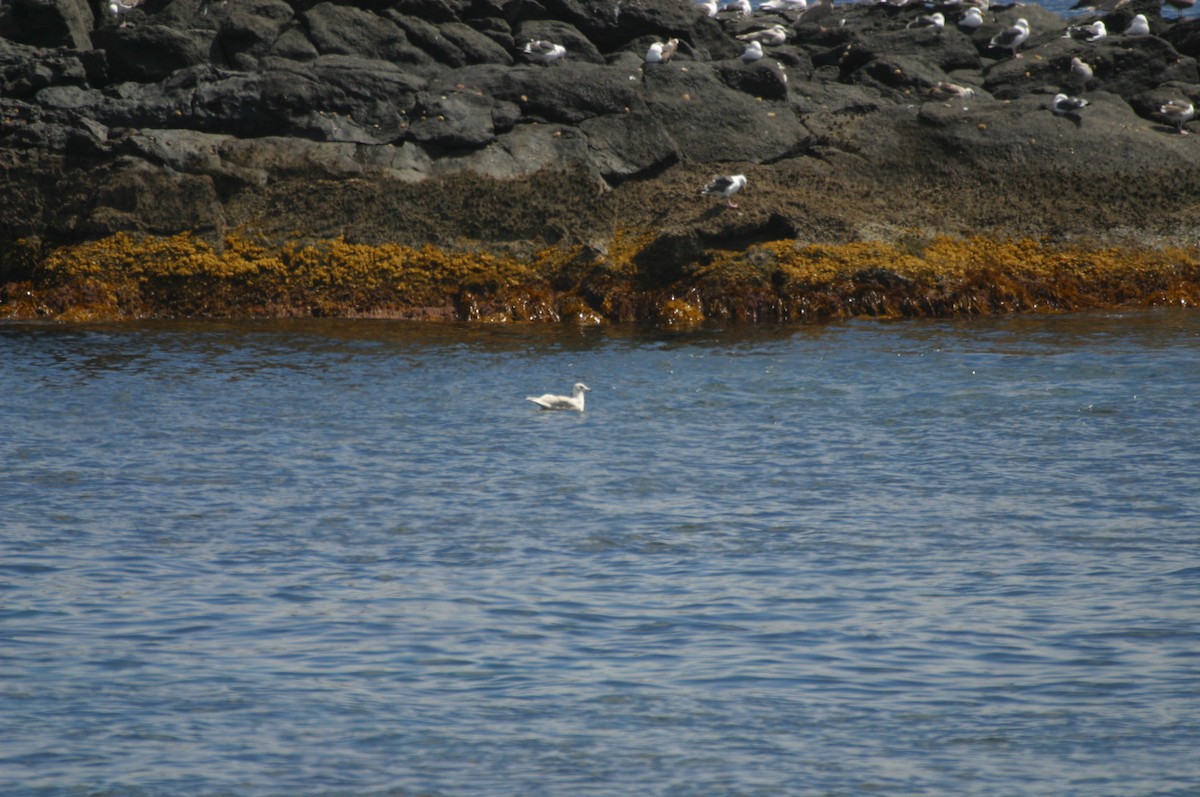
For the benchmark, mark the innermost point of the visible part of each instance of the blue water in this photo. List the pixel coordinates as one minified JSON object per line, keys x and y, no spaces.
{"x":348,"y":558}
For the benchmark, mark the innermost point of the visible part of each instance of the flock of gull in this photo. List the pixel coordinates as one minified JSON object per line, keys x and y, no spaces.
{"x":1177,"y":112}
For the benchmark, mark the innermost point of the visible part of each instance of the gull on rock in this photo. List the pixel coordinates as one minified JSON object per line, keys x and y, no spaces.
{"x":1062,"y":105}
{"x":1011,"y":38}
{"x":971,"y":19}
{"x":544,"y":51}
{"x":120,"y":7}
{"x":753,"y":52}
{"x":725,"y":186}
{"x":779,"y":6}
{"x":1088,"y":33}
{"x":817,"y":13}
{"x":1178,"y":113}
{"x":774,"y":35}
{"x":662,"y":52}
{"x":709,"y":7}
{"x":947,"y":90}
{"x":549,"y":401}
{"x":1081,"y":72}
{"x":742,"y":7}
{"x":935,"y":20}
{"x":1138,"y":26}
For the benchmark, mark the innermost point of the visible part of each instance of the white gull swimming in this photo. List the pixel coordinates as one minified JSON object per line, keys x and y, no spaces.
{"x":549,"y":401}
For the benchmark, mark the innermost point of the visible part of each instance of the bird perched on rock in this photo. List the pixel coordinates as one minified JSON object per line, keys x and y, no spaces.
{"x":1088,"y":33}
{"x":725,"y":186}
{"x":1062,"y":105}
{"x":1081,"y":72}
{"x":549,"y":401}
{"x":780,"y":6}
{"x":118,"y":8}
{"x":971,"y":19}
{"x":817,"y":13}
{"x":772,"y":36}
{"x":742,"y":7}
{"x":934,"y":20}
{"x":544,"y":51}
{"x":1138,"y":26}
{"x":945,"y":90}
{"x":709,"y":7}
{"x":753,"y":52}
{"x":1012,"y":37}
{"x":662,"y":52}
{"x":1178,"y":113}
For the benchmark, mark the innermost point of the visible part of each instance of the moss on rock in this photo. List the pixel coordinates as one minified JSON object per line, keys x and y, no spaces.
{"x":128,"y":276}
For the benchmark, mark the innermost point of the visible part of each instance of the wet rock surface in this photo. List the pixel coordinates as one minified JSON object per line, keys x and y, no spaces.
{"x":423,"y":121}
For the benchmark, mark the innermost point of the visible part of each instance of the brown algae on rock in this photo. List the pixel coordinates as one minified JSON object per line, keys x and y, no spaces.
{"x":128,"y":276}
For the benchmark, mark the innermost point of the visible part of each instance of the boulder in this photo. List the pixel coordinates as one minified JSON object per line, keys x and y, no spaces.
{"x":26,"y":70}
{"x":629,"y":145}
{"x":345,"y":30}
{"x":150,"y":53}
{"x":711,"y":122}
{"x":48,"y":23}
{"x":249,"y":31}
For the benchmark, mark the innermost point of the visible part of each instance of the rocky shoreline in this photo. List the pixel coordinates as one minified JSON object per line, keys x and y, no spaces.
{"x":408,"y":159}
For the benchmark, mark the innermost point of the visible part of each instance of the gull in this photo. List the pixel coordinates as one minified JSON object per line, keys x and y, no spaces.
{"x":1138,"y":26}
{"x":1062,"y":105}
{"x":779,"y":6}
{"x":661,"y":53}
{"x":119,"y":7}
{"x":709,"y":7}
{"x":971,"y":19}
{"x":776,"y":34}
{"x":1088,"y":33}
{"x":544,"y":51}
{"x":1081,"y":72}
{"x":951,"y":90}
{"x":549,"y":401}
{"x":753,"y":52}
{"x":1178,"y":113}
{"x":935,"y":20}
{"x":816,"y":13}
{"x":725,"y":186}
{"x":742,"y":7}
{"x":1012,"y":37}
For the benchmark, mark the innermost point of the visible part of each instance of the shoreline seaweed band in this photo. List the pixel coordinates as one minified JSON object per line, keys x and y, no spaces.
{"x":133,"y":277}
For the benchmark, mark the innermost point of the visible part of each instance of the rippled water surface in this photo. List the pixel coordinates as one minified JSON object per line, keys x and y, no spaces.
{"x":349,"y":558}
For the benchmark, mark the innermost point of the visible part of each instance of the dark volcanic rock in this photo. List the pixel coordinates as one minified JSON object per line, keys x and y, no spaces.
{"x":712,"y":122}
{"x":422,"y":120}
{"x":150,"y":53}
{"x":250,"y":30}
{"x":48,"y":23}
{"x":344,"y":30}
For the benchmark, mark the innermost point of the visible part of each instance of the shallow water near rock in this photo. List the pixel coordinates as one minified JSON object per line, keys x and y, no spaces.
{"x":282,"y":558}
